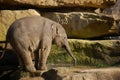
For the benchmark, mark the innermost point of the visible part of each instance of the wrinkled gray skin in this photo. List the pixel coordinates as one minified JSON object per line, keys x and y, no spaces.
{"x":34,"y":36}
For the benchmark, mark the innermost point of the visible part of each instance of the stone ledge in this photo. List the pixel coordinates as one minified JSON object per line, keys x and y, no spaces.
{"x":65,"y":73}
{"x":79,"y":74}
{"x":60,"y":3}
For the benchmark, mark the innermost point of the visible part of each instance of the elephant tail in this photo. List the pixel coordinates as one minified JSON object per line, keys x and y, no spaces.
{"x":4,"y":49}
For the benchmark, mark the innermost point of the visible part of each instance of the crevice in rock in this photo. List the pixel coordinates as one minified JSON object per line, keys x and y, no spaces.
{"x":47,"y":9}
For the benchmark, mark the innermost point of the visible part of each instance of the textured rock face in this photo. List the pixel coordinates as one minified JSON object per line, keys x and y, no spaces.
{"x":83,"y":24}
{"x":77,"y":74}
{"x":9,"y":16}
{"x":59,"y":3}
{"x":116,"y":10}
{"x":107,"y":51}
{"x":77,"y":24}
{"x":99,"y":53}
{"x":67,"y":73}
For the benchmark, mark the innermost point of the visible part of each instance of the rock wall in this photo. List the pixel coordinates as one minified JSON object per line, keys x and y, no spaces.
{"x":60,"y":3}
{"x":76,"y":16}
{"x":83,"y":24}
{"x":91,"y":53}
{"x":80,"y":20}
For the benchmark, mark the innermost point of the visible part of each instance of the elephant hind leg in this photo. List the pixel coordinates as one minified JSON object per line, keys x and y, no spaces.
{"x":26,"y":60}
{"x":24,"y":55}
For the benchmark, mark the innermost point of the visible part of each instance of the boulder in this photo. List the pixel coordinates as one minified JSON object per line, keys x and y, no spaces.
{"x":59,"y":3}
{"x":83,"y":24}
{"x":9,"y":16}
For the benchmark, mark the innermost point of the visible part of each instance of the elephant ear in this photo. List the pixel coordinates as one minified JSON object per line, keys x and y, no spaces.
{"x":55,"y":30}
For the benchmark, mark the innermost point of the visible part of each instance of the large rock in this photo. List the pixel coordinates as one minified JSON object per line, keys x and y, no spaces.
{"x":64,"y":73}
{"x":96,"y":53}
{"x":79,"y":74}
{"x":59,"y":3}
{"x":8,"y":16}
{"x":83,"y":24}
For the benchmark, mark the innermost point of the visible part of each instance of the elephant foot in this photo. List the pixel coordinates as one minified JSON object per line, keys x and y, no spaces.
{"x":30,"y":68}
{"x":43,"y":68}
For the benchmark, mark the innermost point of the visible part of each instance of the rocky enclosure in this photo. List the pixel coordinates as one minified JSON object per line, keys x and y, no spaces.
{"x":81,"y":19}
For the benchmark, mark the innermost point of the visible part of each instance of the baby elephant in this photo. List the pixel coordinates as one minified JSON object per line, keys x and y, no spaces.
{"x":34,"y":36}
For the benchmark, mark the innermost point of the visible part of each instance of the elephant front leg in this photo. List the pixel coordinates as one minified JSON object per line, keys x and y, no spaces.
{"x":43,"y":56}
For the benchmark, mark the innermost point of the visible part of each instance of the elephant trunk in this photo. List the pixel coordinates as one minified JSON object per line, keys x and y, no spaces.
{"x":67,"y":48}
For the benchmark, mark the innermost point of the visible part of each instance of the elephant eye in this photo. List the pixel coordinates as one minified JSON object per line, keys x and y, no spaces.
{"x":65,"y":37}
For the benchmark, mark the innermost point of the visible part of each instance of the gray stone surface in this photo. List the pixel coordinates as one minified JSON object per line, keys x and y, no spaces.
{"x":83,"y":24}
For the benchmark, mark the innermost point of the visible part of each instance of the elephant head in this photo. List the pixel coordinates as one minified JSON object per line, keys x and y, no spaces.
{"x":60,"y":39}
